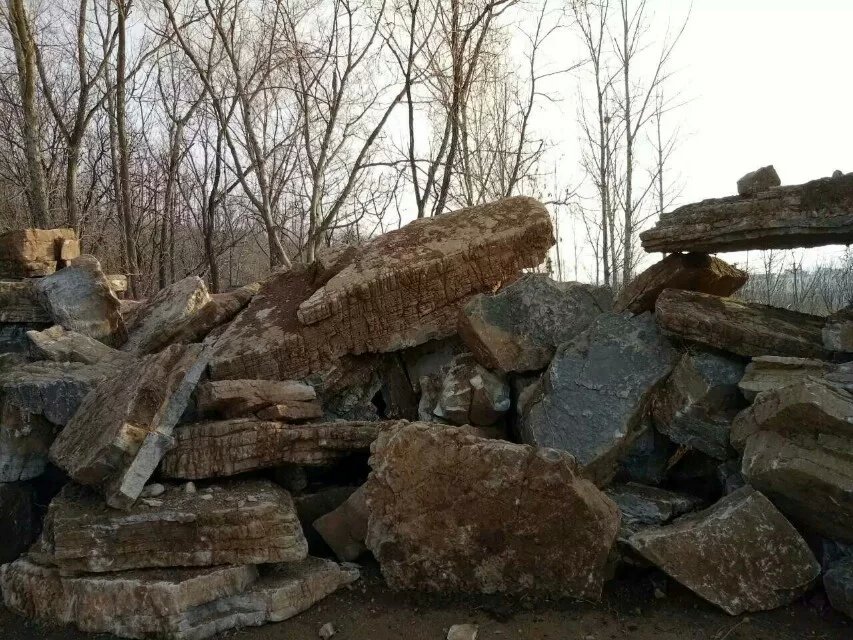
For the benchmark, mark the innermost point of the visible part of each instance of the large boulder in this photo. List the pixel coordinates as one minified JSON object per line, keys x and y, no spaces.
{"x":79,"y":299}
{"x":739,"y":327}
{"x":455,"y":513}
{"x":696,"y":406}
{"x":597,"y":390}
{"x":250,"y":522}
{"x":471,"y":394}
{"x":740,"y":554}
{"x":398,"y":290}
{"x":28,"y":253}
{"x":123,"y":427}
{"x":17,"y":520}
{"x":20,"y":302}
{"x":690,"y":271}
{"x":234,"y":398}
{"x":520,"y":327}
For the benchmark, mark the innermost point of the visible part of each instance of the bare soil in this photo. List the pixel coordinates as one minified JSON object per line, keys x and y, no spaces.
{"x":368,"y":610}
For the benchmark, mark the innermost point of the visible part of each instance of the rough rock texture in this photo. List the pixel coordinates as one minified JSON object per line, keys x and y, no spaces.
{"x":60,"y":345}
{"x":233,"y":398}
{"x":519,"y":328}
{"x":159,"y":320}
{"x":766,"y":373}
{"x":642,"y":505}
{"x":838,"y":331}
{"x":20,"y":302}
{"x":123,"y":427}
{"x":401,"y":289}
{"x":79,"y":299}
{"x":345,"y":528}
{"x":17,"y":520}
{"x":26,"y":253}
{"x":25,"y":439}
{"x":471,"y":394}
{"x":816,"y":213}
{"x":838,"y":582}
{"x":293,"y":411}
{"x":743,"y":328}
{"x":689,"y":271}
{"x":229,"y":447}
{"x":740,"y":554}
{"x":452,"y":512}
{"x":246,"y":522}
{"x":13,"y":336}
{"x":314,"y":505}
{"x":597,"y":390}
{"x":757,"y":181}
{"x":221,"y":309}
{"x":696,"y":406}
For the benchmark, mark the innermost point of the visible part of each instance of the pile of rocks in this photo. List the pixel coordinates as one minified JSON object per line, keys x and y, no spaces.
{"x":421,"y":399}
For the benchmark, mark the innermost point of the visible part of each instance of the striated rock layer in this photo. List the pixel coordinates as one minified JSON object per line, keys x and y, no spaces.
{"x":27,"y":253}
{"x":20,"y":302}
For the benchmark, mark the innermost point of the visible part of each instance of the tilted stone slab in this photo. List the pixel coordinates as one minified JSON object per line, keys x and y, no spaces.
{"x":399,"y":290}
{"x":233,"y":398}
{"x":767,"y":373}
{"x":742,"y":328}
{"x":740,"y":554}
{"x":250,"y":522}
{"x":60,"y":345}
{"x":451,"y":512}
{"x":813,"y":214}
{"x":221,"y":309}
{"x":690,"y":271}
{"x":26,"y":253}
{"x":20,"y":302}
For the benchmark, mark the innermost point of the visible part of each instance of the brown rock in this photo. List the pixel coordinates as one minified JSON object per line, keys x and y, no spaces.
{"x":233,"y":398}
{"x":314,"y":505}
{"x":17,"y":520}
{"x":741,"y":554}
{"x":250,"y":522}
{"x":213,"y":316}
{"x":816,"y":213}
{"x":26,"y":253}
{"x":690,"y":271}
{"x":402,"y":289}
{"x":20,"y":302}
{"x":743,"y":328}
{"x":471,"y":394}
{"x":345,"y":528}
{"x":452,"y":512}
{"x":294,"y":411}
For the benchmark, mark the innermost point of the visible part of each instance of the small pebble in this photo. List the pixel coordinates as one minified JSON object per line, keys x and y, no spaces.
{"x":327,"y":631}
{"x":152,"y":490}
{"x":252,"y":498}
{"x":189,"y":487}
{"x":151,"y":502}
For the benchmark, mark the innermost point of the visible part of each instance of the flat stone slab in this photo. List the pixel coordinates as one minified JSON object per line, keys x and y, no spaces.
{"x":234,"y":398}
{"x":28,"y":253}
{"x":767,"y":373}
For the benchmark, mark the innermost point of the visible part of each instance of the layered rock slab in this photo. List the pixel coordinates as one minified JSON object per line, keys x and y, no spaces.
{"x":740,"y":554}
{"x":767,"y":373}
{"x":743,"y":328}
{"x":60,"y":345}
{"x":399,"y":290}
{"x":20,"y":302}
{"x":249,"y":522}
{"x":597,"y":390}
{"x":520,"y":327}
{"x":28,"y":253}
{"x":233,"y":398}
{"x":454,"y":513}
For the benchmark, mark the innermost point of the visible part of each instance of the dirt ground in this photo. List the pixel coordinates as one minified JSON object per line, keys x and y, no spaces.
{"x":370,"y":611}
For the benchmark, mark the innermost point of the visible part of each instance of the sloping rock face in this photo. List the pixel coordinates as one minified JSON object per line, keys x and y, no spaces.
{"x":229,"y":447}
{"x":741,"y":554}
{"x":689,"y":271}
{"x":838,"y":331}
{"x":597,"y":390}
{"x":743,"y":328}
{"x":79,"y":299}
{"x":60,"y":345}
{"x":816,"y":213}
{"x":249,"y":522}
{"x":519,"y":328}
{"x":402,"y":289}
{"x":472,"y":394}
{"x":221,"y":309}
{"x":452,"y":512}
{"x":838,"y":582}
{"x":20,"y":302}
{"x":767,"y":373}
{"x":28,"y":253}
{"x":699,"y":401}
{"x":232,"y":398}
{"x":17,"y":520}
{"x":123,"y":427}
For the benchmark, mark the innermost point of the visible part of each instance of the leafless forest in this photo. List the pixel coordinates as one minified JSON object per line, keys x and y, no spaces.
{"x":226,"y":138}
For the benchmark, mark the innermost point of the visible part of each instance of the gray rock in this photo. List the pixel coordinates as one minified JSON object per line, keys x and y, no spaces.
{"x":597,"y":390}
{"x":471,"y":394}
{"x":646,"y":459}
{"x":20,"y":303}
{"x":838,"y":331}
{"x":838,"y":582}
{"x":17,"y":520}
{"x":642,"y":505}
{"x":837,"y":173}
{"x":757,"y":181}
{"x":463,"y":632}
{"x":519,"y":328}
{"x":696,"y":406}
{"x":13,"y":336}
{"x":60,"y":345}
{"x":766,"y":373}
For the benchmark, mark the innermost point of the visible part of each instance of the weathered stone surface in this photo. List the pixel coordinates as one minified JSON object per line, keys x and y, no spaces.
{"x":402,"y":289}
{"x":25,"y":253}
{"x":743,"y":328}
{"x":25,"y":439}
{"x":20,"y":302}
{"x":293,"y":411}
{"x":118,"y":283}
{"x":229,"y":447}
{"x":452,"y":512}
{"x":79,"y":299}
{"x":816,"y":213}
{"x":60,"y":345}
{"x":642,"y":505}
{"x":213,"y":316}
{"x":233,"y":398}
{"x":648,"y":456}
{"x":740,"y":554}
{"x":838,"y":582}
{"x":159,"y":320}
{"x":519,"y":328}
{"x":314,"y":505}
{"x":757,"y":181}
{"x":689,"y":271}
{"x":597,"y":390}
{"x":250,"y":522}
{"x":838,"y":331}
{"x":471,"y":394}
{"x":766,"y":373}
{"x":17,"y":520}
{"x":13,"y":336}
{"x":345,"y":528}
{"x":123,"y":427}
{"x":699,"y":400}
